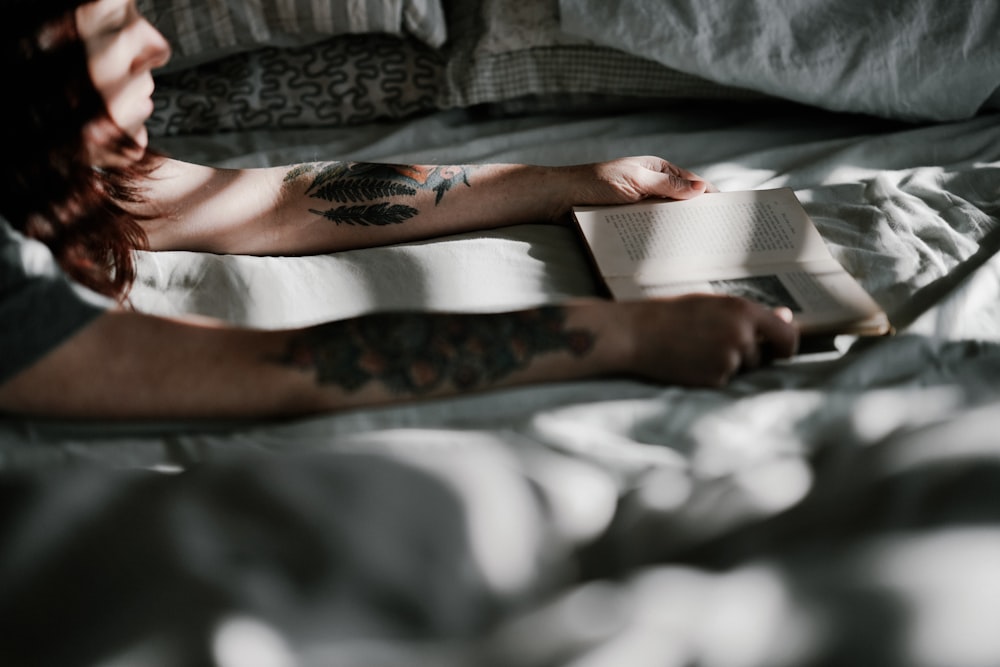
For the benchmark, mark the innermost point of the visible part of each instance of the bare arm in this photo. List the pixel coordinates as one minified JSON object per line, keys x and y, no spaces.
{"x":130,"y":365}
{"x":324,"y":207}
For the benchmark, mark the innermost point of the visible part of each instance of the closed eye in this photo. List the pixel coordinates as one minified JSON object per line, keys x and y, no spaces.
{"x":117,"y":19}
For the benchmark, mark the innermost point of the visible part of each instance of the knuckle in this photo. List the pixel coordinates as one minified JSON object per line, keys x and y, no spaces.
{"x":738,"y":306}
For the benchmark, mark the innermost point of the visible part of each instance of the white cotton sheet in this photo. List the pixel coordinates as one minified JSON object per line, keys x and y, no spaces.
{"x":518,"y":268}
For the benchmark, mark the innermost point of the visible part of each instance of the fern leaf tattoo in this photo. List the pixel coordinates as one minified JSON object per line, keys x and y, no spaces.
{"x":374,"y":189}
{"x":377,"y":215}
{"x":368,"y":189}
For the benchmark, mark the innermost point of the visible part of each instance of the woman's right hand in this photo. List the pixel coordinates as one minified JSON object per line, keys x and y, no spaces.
{"x":703,"y":339}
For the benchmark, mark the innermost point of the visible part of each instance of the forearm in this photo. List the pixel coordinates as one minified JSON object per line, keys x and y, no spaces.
{"x":338,"y":206}
{"x":328,"y":207}
{"x":332,"y":206}
{"x":131,"y":366}
{"x":394,"y":357}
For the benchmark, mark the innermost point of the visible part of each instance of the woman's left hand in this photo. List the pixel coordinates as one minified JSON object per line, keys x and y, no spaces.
{"x":631,"y":179}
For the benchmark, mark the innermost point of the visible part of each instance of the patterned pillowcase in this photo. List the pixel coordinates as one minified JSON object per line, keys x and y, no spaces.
{"x":513,"y":50}
{"x":345,"y":80}
{"x":202,"y":30}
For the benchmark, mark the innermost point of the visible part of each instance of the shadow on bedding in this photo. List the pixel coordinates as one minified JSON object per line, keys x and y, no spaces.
{"x":96,"y":563}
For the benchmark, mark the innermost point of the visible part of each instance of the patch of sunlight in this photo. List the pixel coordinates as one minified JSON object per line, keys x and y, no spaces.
{"x":241,"y":641}
{"x":950,"y":585}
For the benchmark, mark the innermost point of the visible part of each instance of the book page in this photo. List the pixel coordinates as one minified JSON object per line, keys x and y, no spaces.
{"x":758,"y":244}
{"x":661,"y":239}
{"x":819,"y":299}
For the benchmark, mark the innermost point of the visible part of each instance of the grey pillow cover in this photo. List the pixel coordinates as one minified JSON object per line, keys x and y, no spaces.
{"x":204,"y":30}
{"x":508,"y":50}
{"x":909,"y":59}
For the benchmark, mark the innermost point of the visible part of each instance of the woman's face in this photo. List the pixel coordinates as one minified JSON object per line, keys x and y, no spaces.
{"x":122,"y":50}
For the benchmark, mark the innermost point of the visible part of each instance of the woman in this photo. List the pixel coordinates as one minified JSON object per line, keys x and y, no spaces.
{"x":80,"y":180}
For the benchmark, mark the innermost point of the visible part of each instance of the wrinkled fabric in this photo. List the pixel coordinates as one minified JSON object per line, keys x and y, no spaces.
{"x":839,"y":508}
{"x":923,"y":60}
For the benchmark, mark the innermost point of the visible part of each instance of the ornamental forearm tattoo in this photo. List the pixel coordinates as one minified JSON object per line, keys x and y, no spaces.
{"x":373,"y":194}
{"x":416,"y":353}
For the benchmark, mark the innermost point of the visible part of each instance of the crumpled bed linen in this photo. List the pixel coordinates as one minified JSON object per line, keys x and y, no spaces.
{"x":838,"y":508}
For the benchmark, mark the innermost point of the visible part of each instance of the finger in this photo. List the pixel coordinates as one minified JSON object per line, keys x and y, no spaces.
{"x":784,"y":313}
{"x":691,"y":177}
{"x":674,"y":186}
{"x":731,"y":362}
{"x":751,"y":355}
{"x":673,"y":182}
{"x":776,"y":329}
{"x":667,"y":167}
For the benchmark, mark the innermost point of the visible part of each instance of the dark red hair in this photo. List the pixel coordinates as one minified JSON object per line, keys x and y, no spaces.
{"x":48,"y":188}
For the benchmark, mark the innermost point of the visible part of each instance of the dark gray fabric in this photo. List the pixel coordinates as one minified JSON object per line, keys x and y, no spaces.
{"x":346,"y":80}
{"x":39,"y":306}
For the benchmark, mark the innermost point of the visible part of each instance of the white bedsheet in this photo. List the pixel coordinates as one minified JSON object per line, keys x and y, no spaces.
{"x":748,"y":521}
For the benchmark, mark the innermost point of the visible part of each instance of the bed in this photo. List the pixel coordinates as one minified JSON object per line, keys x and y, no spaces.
{"x":838,"y":508}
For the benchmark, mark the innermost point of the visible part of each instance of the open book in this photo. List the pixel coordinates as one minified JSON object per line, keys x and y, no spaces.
{"x":758,"y":244}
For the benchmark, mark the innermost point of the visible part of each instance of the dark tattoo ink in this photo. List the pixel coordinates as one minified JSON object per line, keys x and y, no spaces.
{"x":416,"y":353}
{"x":376,"y":214}
{"x":365,"y":189}
{"x":359,"y":187}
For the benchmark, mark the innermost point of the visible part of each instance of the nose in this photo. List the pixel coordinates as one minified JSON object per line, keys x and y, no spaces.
{"x":155,"y":51}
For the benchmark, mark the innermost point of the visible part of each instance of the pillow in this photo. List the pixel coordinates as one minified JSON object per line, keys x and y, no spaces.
{"x":927,"y":60}
{"x":201,"y":30}
{"x":505,"y":50}
{"x":344,"y":80}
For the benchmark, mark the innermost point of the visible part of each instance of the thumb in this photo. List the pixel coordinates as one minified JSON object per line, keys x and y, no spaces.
{"x":674,"y":182}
